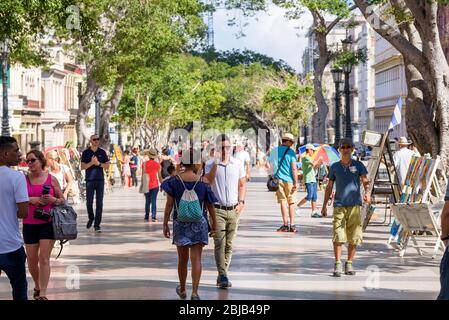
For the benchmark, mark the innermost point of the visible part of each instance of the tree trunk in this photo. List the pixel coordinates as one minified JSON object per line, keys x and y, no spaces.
{"x":83,"y":110}
{"x":443,"y":25}
{"x":319,"y":117}
{"x":108,"y":111}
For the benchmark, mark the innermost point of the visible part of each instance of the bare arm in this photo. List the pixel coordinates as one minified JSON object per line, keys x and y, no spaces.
{"x":159,"y":173}
{"x":365,"y":183}
{"x":242,"y":194}
{"x":168,"y":210}
{"x":69,"y":180}
{"x":295,"y":176}
{"x":445,"y":221}
{"x":22,"y":210}
{"x":105,"y":166}
{"x":210,"y":176}
{"x":213,"y":219}
{"x":85,"y":166}
{"x":327,"y":196}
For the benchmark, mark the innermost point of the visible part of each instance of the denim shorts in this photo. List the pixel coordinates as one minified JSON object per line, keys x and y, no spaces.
{"x":312,"y":191}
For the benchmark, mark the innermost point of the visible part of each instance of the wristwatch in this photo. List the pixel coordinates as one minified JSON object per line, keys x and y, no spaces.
{"x":242,"y":201}
{"x":445,"y":238}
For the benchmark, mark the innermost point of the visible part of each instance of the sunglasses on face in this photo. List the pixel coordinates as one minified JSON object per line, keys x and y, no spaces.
{"x":31,"y":161}
{"x":96,"y":139}
{"x":345,"y":147}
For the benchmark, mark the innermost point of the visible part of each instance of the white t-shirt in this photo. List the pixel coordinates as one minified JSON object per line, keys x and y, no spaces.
{"x":243,"y":156}
{"x":226,"y":184}
{"x":402,"y":160}
{"x":13,"y":190}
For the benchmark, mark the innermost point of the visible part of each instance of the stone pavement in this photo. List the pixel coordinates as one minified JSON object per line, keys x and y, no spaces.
{"x":132,"y":260}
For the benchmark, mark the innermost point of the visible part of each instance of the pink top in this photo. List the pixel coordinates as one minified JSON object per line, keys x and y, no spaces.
{"x":35,"y":190}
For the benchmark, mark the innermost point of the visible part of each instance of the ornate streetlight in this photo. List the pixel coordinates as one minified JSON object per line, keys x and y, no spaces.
{"x":4,"y":48}
{"x":347,"y":69}
{"x":337,"y":75}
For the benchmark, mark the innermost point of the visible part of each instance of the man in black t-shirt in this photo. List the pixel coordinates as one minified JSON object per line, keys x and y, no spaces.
{"x":94,"y":160}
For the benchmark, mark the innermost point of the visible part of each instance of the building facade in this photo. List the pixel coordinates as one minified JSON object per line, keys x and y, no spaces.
{"x":390,"y":84}
{"x":42,"y":102}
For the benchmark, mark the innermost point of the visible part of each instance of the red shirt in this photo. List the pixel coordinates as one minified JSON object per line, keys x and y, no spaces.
{"x":152,"y":168}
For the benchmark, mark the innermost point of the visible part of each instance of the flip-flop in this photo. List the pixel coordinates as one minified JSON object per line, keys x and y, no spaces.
{"x":316,"y":215}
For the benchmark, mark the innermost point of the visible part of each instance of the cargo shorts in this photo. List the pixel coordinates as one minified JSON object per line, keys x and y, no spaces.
{"x":284,"y":193}
{"x":347,"y":225}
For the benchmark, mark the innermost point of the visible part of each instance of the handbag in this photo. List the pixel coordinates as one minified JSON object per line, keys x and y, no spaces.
{"x":273,"y":181}
{"x":144,"y":188}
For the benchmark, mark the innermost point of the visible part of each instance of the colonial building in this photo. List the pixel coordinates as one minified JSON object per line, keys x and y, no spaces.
{"x":390,"y":84}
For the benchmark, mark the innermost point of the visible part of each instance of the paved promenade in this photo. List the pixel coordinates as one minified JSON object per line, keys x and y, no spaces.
{"x":132,"y":260}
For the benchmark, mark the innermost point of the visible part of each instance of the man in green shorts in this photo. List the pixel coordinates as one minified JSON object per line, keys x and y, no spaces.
{"x":347,"y":223}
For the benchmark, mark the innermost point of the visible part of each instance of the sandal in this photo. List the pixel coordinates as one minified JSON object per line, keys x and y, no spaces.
{"x":182,"y":295}
{"x":42,"y":298}
{"x":36,"y":293}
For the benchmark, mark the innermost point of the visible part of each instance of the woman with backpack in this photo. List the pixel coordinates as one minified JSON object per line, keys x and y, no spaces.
{"x":44,"y":193}
{"x":189,"y":194}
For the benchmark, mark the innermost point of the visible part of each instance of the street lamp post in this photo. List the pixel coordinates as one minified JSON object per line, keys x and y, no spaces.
{"x":98,"y":96}
{"x":337,"y":75}
{"x":4,"y":46}
{"x":347,"y":69}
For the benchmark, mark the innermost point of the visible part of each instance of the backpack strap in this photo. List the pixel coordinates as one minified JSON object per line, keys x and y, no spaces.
{"x":61,"y":245}
{"x":280,"y":163}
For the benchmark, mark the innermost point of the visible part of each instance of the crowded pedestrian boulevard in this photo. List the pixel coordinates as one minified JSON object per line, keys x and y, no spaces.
{"x":131,"y":259}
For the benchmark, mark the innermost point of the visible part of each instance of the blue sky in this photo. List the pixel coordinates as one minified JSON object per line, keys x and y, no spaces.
{"x":269,"y":33}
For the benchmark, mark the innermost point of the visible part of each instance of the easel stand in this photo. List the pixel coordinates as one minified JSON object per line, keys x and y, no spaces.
{"x":421,"y":204}
{"x":384,"y":187}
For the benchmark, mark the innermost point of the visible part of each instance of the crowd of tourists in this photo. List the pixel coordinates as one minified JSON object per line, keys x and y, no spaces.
{"x":205,"y":193}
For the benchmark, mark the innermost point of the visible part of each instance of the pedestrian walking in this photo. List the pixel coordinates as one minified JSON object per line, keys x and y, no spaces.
{"x":229,"y":186}
{"x":134,"y":165}
{"x":444,"y":266}
{"x":61,"y":172}
{"x":347,"y":224}
{"x":166,"y":162}
{"x":243,"y":155}
{"x":402,"y":159}
{"x":282,"y":159}
{"x":189,"y":237}
{"x":14,"y":206}
{"x":44,"y":193}
{"x":153,"y":170}
{"x":126,"y":172}
{"x":309,"y":177}
{"x":94,"y":160}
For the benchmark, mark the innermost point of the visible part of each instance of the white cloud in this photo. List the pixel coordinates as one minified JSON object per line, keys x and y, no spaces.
{"x":269,"y":33}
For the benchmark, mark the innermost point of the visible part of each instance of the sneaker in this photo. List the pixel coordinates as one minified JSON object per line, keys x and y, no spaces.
{"x":196,"y":297}
{"x":338,"y":270}
{"x":153,"y":220}
{"x":349,"y":270}
{"x":283,"y":229}
{"x":89,"y":224}
{"x":97,"y":230}
{"x":223,"y":282}
{"x":293,"y":228}
{"x":182,"y":295}
{"x":316,"y":215}
{"x":146,"y":219}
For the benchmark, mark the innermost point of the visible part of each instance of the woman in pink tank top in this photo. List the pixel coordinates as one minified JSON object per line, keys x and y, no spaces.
{"x":44,"y":193}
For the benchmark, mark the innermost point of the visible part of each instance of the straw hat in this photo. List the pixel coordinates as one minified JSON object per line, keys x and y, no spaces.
{"x":152,"y":153}
{"x":403,"y":141}
{"x":289,"y":137}
{"x":310,"y":146}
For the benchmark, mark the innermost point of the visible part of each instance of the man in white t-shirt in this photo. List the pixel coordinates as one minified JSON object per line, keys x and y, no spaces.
{"x":402,"y":159}
{"x":243,"y":155}
{"x":229,"y":186}
{"x":14,"y":206}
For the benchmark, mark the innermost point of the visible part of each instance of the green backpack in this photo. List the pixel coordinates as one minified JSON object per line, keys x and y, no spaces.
{"x":189,"y":208}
